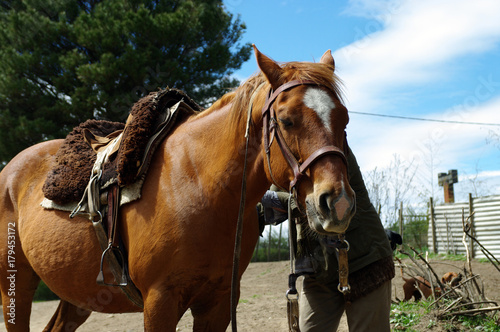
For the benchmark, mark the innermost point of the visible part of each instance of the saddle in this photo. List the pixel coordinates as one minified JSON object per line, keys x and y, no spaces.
{"x":150,"y":120}
{"x":99,"y":158}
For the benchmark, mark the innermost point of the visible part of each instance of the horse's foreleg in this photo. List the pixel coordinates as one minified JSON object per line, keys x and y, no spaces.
{"x":213,"y":315}
{"x":162,"y":311}
{"x":18,"y":287}
{"x":67,"y":318}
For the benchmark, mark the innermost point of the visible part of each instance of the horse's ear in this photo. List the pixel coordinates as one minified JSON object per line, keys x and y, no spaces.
{"x":270,"y":68}
{"x":327,"y":59}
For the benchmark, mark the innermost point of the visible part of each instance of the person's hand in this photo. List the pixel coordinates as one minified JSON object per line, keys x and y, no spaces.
{"x":394,"y":238}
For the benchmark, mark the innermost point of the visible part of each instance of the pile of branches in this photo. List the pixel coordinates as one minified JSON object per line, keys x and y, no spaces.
{"x":462,"y":296}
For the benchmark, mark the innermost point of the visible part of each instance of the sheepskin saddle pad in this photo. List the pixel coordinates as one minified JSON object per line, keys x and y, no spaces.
{"x":149,"y":121}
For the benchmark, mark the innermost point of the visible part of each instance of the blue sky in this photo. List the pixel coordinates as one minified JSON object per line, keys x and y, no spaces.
{"x":436,"y":59}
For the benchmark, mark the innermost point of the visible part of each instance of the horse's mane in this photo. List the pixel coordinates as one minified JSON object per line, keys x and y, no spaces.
{"x":320,"y":73}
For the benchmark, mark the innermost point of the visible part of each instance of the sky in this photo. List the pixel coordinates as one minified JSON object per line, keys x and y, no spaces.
{"x":430,"y":59}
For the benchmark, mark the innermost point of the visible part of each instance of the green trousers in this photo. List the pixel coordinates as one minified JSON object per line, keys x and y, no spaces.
{"x":321,"y":307}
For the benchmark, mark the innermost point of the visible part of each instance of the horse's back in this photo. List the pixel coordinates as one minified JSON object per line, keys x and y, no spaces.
{"x":26,"y":170}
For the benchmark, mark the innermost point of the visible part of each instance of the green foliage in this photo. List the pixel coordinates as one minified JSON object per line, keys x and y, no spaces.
{"x":449,"y":257}
{"x":43,"y":293}
{"x":270,"y":253}
{"x":415,"y":228}
{"x":486,"y":323}
{"x":406,"y":315}
{"x":63,"y":61}
{"x":414,"y":316}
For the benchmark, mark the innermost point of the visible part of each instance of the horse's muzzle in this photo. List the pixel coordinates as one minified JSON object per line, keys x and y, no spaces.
{"x":328,"y":213}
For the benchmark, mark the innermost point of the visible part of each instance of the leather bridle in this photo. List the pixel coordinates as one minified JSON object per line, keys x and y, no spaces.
{"x":271,"y":130}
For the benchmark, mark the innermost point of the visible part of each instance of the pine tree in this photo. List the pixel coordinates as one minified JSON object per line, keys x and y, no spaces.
{"x":65,"y":61}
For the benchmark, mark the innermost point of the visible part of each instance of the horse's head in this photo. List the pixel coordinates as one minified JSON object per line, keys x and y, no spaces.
{"x":304,"y":124}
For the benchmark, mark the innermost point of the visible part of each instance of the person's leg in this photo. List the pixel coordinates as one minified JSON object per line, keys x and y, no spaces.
{"x":371,"y":312}
{"x":320,"y":308}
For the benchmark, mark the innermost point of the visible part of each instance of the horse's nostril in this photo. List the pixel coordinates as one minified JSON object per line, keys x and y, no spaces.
{"x":323,"y":202}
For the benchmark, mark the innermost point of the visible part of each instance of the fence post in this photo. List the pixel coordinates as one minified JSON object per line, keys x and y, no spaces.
{"x":279,"y":243}
{"x":256,"y":253}
{"x":433,"y":226}
{"x":269,"y":244}
{"x":472,"y":230}
{"x":401,"y":219}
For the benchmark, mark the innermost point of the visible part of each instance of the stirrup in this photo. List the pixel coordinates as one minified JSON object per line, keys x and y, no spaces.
{"x":100,"y":277}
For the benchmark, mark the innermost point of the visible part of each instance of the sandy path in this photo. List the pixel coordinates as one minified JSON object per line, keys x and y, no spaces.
{"x":262,"y":304}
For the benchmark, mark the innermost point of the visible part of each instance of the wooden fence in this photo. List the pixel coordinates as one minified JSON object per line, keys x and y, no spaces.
{"x":273,"y":245}
{"x":445,"y":234}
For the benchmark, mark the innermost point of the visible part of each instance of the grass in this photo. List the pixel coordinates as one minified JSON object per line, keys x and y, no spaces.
{"x":265,"y":272}
{"x":255,"y":296}
{"x":413,"y":316}
{"x":487,"y":323}
{"x":450,"y":257}
{"x":406,"y":315}
{"x":447,"y":256}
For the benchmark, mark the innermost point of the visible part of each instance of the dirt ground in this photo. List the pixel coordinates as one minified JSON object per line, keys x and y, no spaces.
{"x":262,"y":304}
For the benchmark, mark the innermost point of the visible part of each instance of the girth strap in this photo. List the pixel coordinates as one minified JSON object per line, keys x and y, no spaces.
{"x":114,"y":252}
{"x":90,"y":205}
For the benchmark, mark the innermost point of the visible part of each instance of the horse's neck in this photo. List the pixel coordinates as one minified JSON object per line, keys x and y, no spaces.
{"x":211,"y":149}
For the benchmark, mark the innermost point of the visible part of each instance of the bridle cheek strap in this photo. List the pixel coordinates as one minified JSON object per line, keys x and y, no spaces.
{"x":271,"y":131}
{"x":268,"y":111}
{"x":299,"y":169}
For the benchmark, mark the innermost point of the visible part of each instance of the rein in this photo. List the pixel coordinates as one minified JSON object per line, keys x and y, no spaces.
{"x":239,"y":223}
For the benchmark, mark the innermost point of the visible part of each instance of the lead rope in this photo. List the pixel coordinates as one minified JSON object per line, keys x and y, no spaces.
{"x":292,"y":295}
{"x":235,"y":280}
{"x":342,"y":259}
{"x":341,"y":246}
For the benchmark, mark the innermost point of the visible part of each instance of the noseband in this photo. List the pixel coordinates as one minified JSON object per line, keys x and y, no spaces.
{"x":271,"y":130}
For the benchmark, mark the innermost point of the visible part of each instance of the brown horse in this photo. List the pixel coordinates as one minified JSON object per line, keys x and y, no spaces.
{"x":180,"y":234}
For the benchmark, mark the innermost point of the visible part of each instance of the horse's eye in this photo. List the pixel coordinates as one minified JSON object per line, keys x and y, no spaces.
{"x":285,"y":122}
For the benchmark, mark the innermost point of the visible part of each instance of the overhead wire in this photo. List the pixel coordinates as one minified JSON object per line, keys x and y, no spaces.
{"x":425,"y":119}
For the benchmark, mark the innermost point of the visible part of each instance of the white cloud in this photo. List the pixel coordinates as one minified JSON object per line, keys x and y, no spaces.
{"x":412,"y":42}
{"x":375,"y":141}
{"x":488,"y":174}
{"x":451,"y":146}
{"x":380,"y":10}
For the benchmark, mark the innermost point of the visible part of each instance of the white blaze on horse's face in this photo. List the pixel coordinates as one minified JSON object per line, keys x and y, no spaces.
{"x":319,"y":101}
{"x":327,"y":213}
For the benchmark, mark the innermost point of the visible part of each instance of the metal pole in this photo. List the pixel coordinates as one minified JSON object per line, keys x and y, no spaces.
{"x":279,"y":243}
{"x":472,"y":230}
{"x":269,"y":245}
{"x":256,"y":254}
{"x":401,"y":219}
{"x":433,"y":226}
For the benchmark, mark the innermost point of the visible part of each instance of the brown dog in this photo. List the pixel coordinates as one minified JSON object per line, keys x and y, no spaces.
{"x":451,"y":278}
{"x":412,"y":285}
